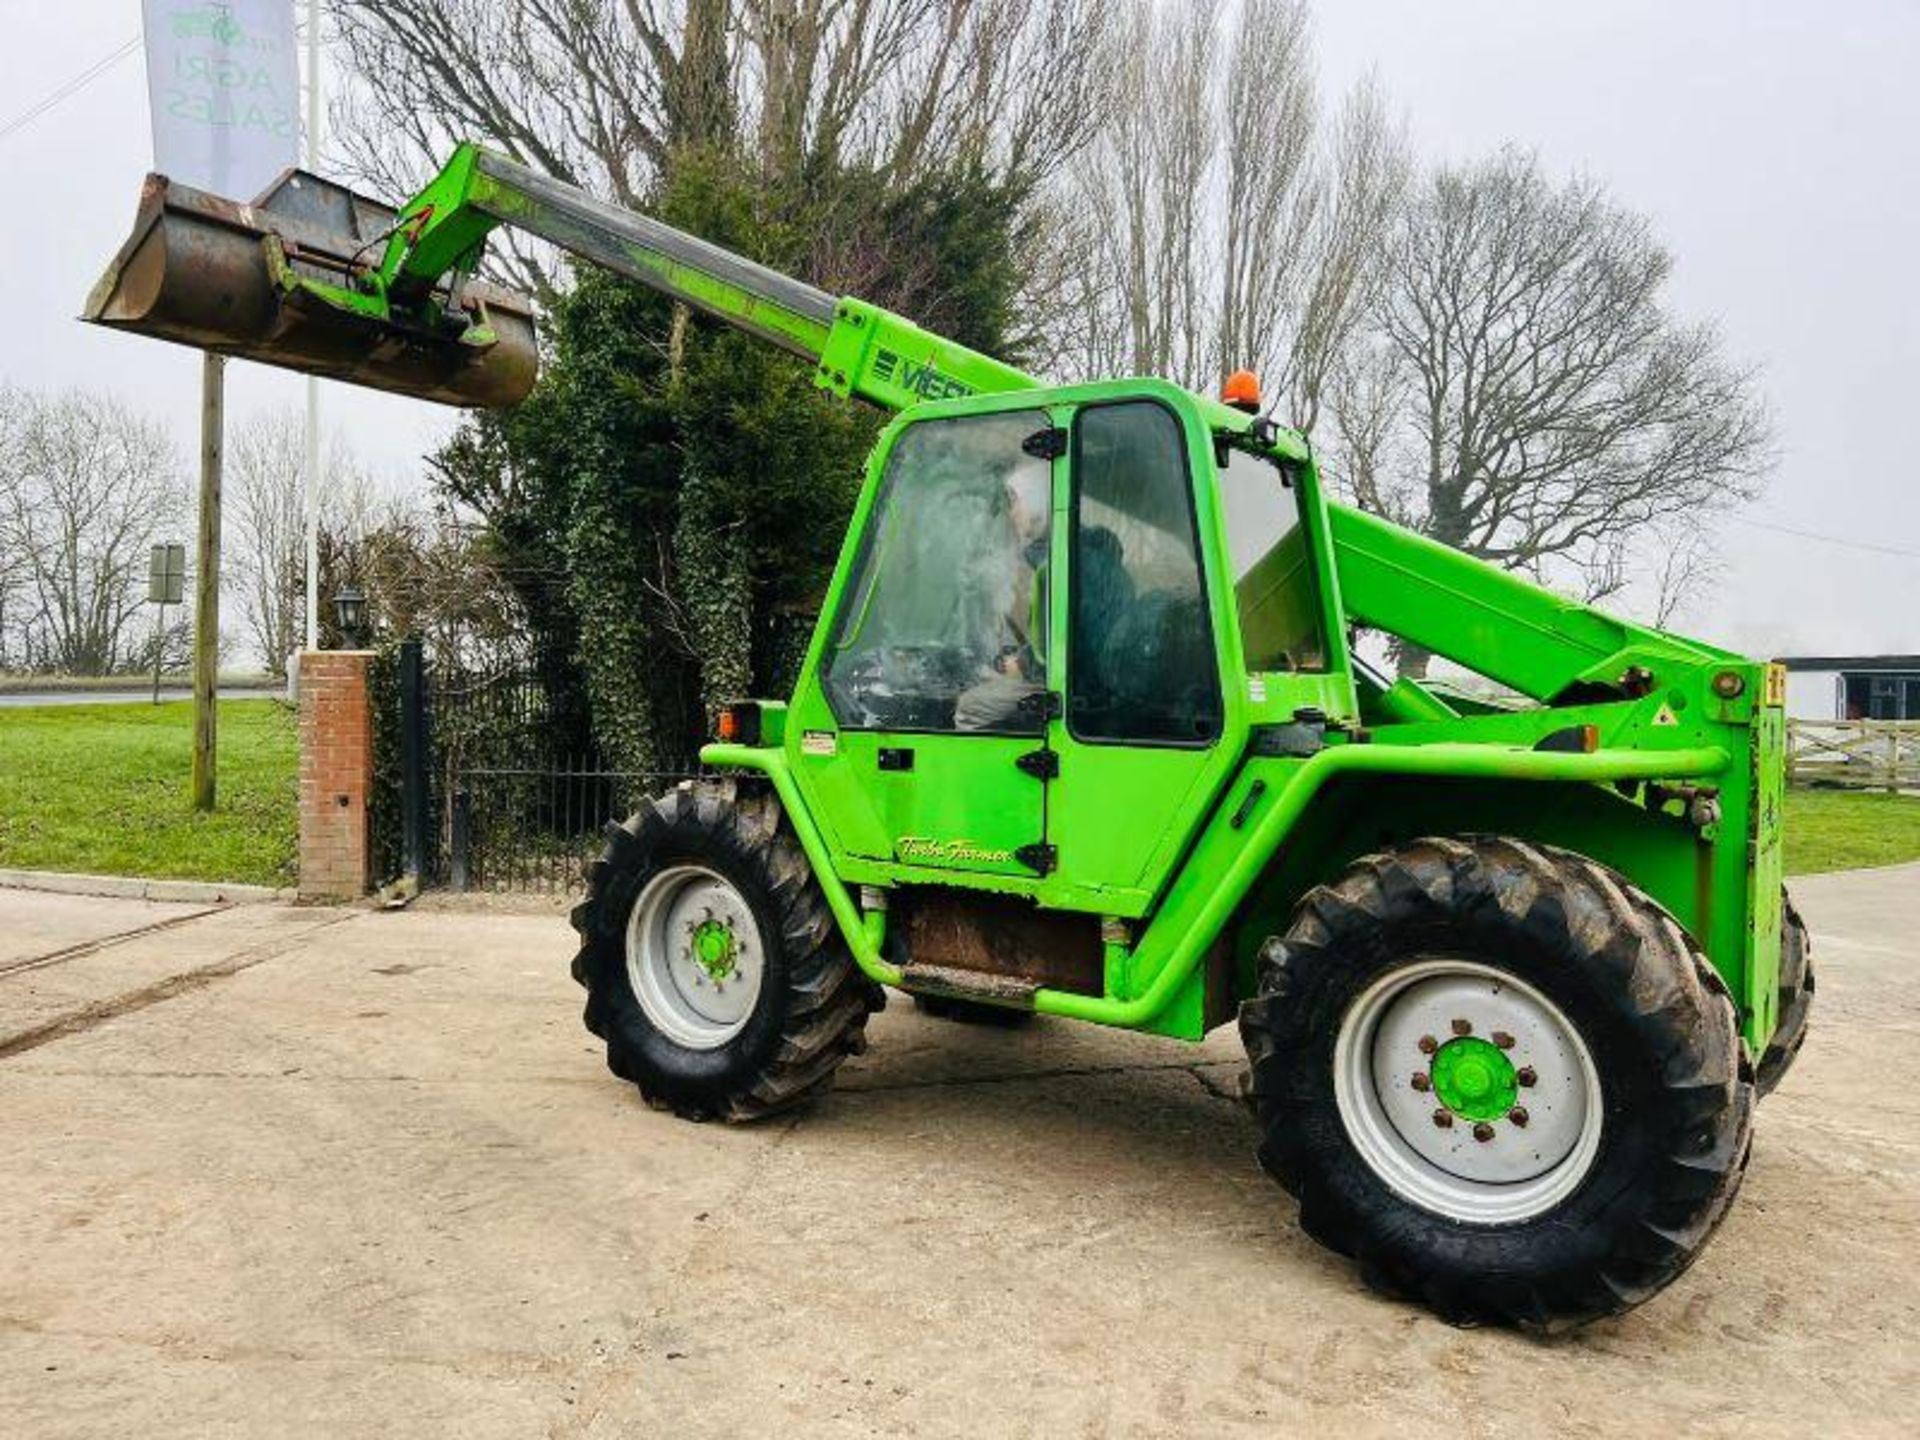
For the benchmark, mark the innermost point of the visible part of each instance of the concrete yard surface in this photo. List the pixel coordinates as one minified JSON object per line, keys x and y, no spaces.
{"x":275,"y":1171}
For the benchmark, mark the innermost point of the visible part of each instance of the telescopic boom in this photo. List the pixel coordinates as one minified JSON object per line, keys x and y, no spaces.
{"x":314,"y":278}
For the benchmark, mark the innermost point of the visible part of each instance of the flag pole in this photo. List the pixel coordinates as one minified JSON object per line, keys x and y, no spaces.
{"x":311,"y":438}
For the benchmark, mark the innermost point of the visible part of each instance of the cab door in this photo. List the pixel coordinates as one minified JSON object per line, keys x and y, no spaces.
{"x":936,"y":669}
{"x":1143,"y":741}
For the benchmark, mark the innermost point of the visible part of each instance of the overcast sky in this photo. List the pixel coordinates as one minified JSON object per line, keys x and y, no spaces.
{"x":1771,"y":140}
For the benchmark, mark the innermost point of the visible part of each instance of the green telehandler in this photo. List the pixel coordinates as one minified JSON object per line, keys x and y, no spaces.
{"x":1081,"y":732}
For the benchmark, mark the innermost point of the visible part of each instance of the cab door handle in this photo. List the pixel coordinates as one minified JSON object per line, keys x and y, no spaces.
{"x":1245,"y":810}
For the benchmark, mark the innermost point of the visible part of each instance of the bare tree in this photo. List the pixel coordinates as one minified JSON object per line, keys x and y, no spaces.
{"x":1271,"y":193}
{"x":1214,"y":222}
{"x":1138,"y":250}
{"x":601,"y":92}
{"x":13,"y":562}
{"x":266,"y":523}
{"x":1555,"y":413}
{"x":428,"y":573}
{"x":1364,"y":445}
{"x":86,"y":486}
{"x":1343,"y":239}
{"x":1679,"y":561}
{"x":266,"y":531}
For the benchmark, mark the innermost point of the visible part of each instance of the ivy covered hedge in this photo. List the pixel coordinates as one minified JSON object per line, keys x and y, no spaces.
{"x":669,"y":502}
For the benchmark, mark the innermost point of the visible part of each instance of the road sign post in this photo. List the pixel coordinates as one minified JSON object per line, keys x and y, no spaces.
{"x":166,"y":585}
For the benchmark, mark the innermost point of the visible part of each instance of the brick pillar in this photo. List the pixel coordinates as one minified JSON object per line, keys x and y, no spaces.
{"x":336,"y":774}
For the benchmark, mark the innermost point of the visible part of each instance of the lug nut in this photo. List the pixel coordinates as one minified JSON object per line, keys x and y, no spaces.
{"x":1421,"y":1082}
{"x":1463,"y":1027}
{"x":1483,"y":1132}
{"x":1443,"y":1118}
{"x":1428,"y":1044}
{"x":1503,"y":1040}
{"x":1518,"y":1115}
{"x":1526,"y":1075}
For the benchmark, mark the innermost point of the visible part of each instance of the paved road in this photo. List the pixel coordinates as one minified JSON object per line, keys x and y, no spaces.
{"x":279,"y":1171}
{"x":24,"y":700}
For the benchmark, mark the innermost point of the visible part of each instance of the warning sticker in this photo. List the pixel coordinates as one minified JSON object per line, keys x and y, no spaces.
{"x":1775,"y":692}
{"x":819,"y":742}
{"x":1665,"y":716}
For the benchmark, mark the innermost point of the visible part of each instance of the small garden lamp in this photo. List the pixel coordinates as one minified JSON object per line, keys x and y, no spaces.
{"x":350,"y":614}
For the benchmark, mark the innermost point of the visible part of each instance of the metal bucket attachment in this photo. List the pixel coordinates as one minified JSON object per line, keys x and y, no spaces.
{"x":206,"y":271}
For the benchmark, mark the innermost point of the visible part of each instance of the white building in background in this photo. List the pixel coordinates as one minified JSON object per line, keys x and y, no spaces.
{"x":1853,"y":687}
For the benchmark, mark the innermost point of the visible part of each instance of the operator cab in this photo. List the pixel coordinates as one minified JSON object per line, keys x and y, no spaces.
{"x":1058,"y":616}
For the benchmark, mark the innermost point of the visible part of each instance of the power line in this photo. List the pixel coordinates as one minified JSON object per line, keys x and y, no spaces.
{"x":72,"y":87}
{"x":1826,"y":539}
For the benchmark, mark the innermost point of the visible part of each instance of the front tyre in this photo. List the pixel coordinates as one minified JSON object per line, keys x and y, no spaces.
{"x":712,"y":967}
{"x":1501,"y":1078}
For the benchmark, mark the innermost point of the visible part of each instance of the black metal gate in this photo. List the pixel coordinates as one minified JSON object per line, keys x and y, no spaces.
{"x":486,"y":781}
{"x":519,"y":796}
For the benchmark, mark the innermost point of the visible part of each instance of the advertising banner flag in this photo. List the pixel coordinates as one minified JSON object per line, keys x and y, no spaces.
{"x":223,"y":82}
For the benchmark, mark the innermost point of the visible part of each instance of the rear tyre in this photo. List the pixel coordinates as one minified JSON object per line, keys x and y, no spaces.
{"x":712,"y":967}
{"x":1796,"y":1000}
{"x":1501,"y":1078}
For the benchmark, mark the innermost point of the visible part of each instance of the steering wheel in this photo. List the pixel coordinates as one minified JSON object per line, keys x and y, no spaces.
{"x":907,"y":687}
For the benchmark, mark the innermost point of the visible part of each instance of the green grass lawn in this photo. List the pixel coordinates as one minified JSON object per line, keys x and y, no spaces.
{"x":1849,"y":829}
{"x":103,"y":789}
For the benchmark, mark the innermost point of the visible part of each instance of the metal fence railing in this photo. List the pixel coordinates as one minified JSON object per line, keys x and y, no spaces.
{"x":1855,"y":754}
{"x":532,"y":828}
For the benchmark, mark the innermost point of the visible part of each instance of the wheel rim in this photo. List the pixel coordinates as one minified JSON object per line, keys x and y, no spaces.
{"x":1468,"y":1092}
{"x":694,"y":957}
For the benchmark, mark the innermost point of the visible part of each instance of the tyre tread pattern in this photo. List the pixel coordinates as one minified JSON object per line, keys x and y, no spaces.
{"x":1585,"y":914}
{"x":828,"y":998}
{"x":1796,"y":1000}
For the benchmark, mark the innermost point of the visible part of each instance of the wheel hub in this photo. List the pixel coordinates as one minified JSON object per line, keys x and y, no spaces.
{"x":1474,"y":1078}
{"x":713,"y":948}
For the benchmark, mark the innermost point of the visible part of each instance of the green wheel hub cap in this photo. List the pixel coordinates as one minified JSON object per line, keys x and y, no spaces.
{"x":1474,"y":1079}
{"x":713,"y":947}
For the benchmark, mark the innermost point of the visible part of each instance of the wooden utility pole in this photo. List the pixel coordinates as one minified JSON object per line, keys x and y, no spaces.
{"x":206,"y":580}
